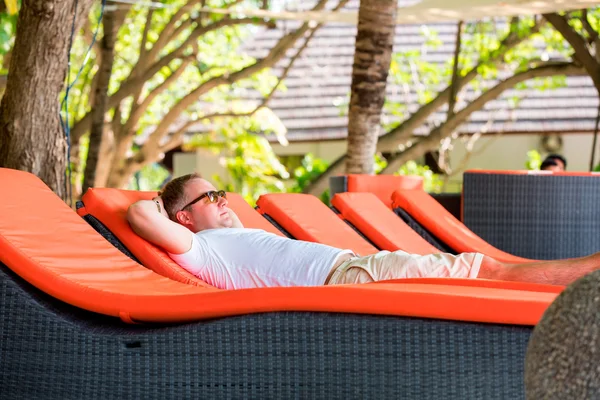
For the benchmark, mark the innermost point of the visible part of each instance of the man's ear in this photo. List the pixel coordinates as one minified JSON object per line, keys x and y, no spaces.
{"x":182,"y":217}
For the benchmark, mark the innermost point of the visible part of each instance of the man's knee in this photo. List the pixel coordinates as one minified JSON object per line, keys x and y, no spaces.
{"x":492,"y":269}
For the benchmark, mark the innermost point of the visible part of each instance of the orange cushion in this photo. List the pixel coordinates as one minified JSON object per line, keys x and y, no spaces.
{"x":249,"y":216}
{"x":109,"y":206}
{"x":376,"y":221}
{"x":383,"y":186}
{"x":437,"y":220}
{"x":47,"y":244}
{"x":307,"y":218}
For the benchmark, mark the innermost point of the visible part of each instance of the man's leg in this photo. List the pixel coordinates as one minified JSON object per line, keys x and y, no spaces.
{"x":554,"y":272}
{"x":400,"y":265}
{"x":387,"y":265}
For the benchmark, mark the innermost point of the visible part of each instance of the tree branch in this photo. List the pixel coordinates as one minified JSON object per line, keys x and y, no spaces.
{"x":139,"y":109}
{"x":136,"y":80}
{"x":455,"y":76}
{"x":166,"y":35}
{"x":171,"y":31}
{"x":588,"y":26}
{"x":152,"y":146}
{"x":578,"y":44}
{"x":320,"y":184}
{"x":268,"y":97}
{"x":391,"y":140}
{"x":594,"y":35}
{"x":177,"y":137}
{"x":88,"y":36}
{"x":446,"y":129}
{"x":144,"y":40}
{"x":99,"y":106}
{"x":276,"y":54}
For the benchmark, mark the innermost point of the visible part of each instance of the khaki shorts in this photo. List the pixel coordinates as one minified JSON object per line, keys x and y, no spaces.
{"x":401,"y":265}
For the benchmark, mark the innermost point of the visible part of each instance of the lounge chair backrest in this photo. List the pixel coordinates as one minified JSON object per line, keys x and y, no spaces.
{"x":367,"y":213}
{"x":307,"y":218}
{"x":437,"y":220}
{"x":109,"y":206}
{"x":381,"y":186}
{"x":47,"y":244}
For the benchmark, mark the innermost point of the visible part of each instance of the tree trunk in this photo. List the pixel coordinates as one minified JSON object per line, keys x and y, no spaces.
{"x":390,"y":140}
{"x":579,"y":45}
{"x":31,"y":138}
{"x":374,"y":44}
{"x":99,"y":106}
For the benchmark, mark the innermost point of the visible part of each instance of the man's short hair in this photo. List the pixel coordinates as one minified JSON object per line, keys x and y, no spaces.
{"x":557,"y":157}
{"x":548,"y":163}
{"x":173,"y":194}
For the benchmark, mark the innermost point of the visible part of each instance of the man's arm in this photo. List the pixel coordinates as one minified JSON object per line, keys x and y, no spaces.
{"x":154,"y":226}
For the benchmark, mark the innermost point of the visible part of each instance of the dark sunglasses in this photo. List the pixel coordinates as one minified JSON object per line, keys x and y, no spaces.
{"x":212,"y":196}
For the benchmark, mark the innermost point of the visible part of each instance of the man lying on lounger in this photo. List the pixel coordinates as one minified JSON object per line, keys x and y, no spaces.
{"x":191,"y":221}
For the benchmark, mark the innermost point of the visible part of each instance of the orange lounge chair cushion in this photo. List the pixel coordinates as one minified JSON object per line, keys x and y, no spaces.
{"x":437,"y":220}
{"x":376,"y":221}
{"x":306,"y":218}
{"x":47,"y":244}
{"x":382,"y":186}
{"x":110,"y":206}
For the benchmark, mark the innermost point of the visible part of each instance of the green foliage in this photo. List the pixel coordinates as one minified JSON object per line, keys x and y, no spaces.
{"x":218,"y":52}
{"x":432,"y":182}
{"x":311,"y":168}
{"x":8,"y":27}
{"x":380,"y":163}
{"x":151,"y":177}
{"x":597,"y":168}
{"x":481,"y":46}
{"x":253,"y":167}
{"x":534,"y":160}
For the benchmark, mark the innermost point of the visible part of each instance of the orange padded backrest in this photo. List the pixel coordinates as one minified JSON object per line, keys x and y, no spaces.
{"x":44,"y":242}
{"x":109,"y":206}
{"x":377,"y":222}
{"x":383,"y":186}
{"x":249,"y":216}
{"x":307,"y":218}
{"x":437,"y":220}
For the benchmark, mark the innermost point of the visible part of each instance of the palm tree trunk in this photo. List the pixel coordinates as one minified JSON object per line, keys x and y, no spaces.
{"x":374,"y":43}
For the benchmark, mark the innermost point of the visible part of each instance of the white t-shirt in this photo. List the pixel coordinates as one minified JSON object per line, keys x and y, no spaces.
{"x":237,"y":258}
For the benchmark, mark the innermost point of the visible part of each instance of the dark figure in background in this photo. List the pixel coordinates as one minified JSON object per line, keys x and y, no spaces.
{"x":554,"y":162}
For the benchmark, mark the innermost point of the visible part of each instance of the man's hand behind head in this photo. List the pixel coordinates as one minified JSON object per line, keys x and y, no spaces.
{"x":160,"y":205}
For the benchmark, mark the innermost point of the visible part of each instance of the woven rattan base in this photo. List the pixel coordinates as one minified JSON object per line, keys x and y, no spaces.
{"x":50,"y":350}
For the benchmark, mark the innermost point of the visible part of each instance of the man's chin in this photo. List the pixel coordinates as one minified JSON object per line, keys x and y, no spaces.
{"x":227,"y":222}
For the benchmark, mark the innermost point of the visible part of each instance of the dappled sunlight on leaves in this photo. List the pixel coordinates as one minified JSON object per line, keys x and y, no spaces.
{"x":432,"y":182}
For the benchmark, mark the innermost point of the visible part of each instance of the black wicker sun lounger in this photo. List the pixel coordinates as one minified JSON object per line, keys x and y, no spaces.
{"x":80,"y":320}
